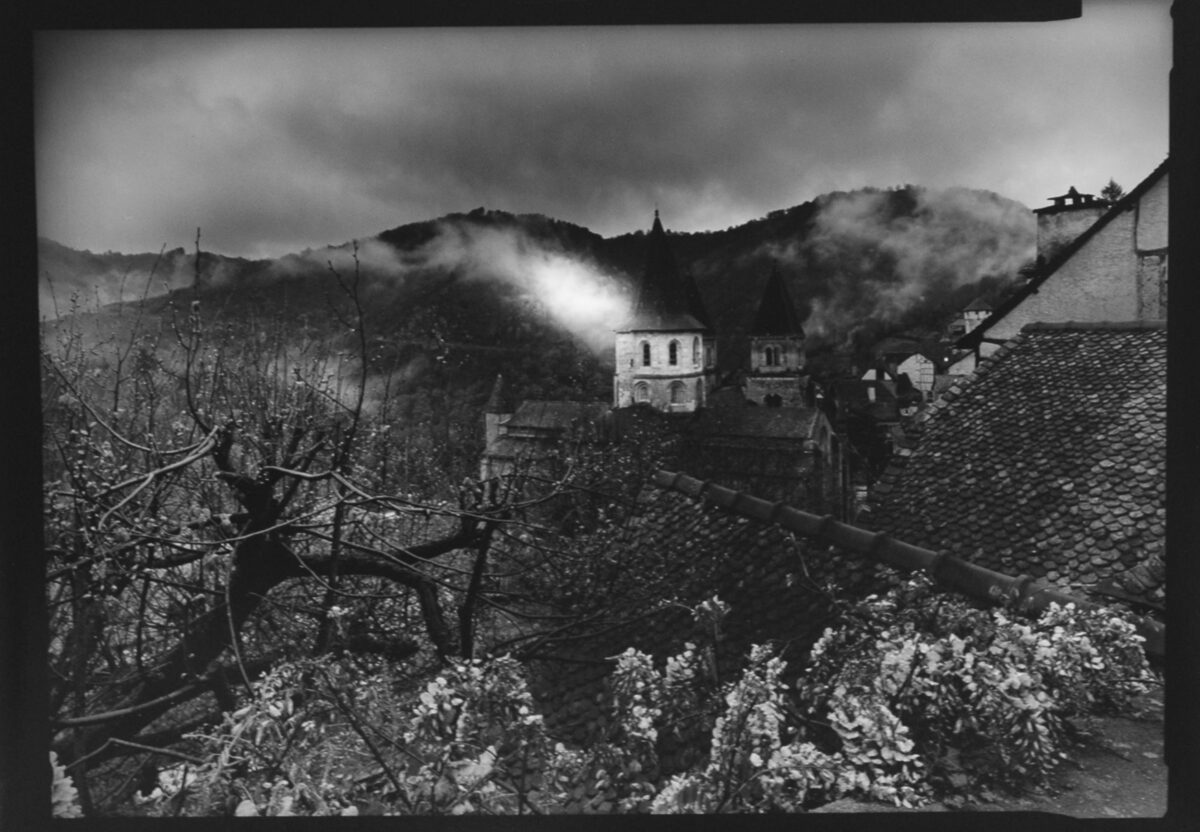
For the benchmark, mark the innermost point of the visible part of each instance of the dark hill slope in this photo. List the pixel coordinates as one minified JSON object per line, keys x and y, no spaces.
{"x":455,"y":300}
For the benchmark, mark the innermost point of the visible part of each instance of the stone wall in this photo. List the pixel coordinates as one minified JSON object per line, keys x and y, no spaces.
{"x":1056,"y":229}
{"x":1152,"y":217}
{"x":660,"y":376}
{"x":1098,"y":284}
{"x":787,"y":388}
{"x":1120,"y":274}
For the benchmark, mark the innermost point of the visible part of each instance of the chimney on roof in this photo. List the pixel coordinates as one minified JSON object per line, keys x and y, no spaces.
{"x":1068,"y":216}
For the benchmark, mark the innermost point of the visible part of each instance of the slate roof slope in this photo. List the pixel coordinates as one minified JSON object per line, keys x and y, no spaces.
{"x":762,"y":450}
{"x":667,"y":299}
{"x":556,"y":416}
{"x":1050,"y":461}
{"x":500,"y":400}
{"x":776,"y":313}
{"x":535,"y":431}
{"x":690,"y":549}
{"x":791,"y":423}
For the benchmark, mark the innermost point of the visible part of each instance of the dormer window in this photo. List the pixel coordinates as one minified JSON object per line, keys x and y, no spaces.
{"x":645,"y":353}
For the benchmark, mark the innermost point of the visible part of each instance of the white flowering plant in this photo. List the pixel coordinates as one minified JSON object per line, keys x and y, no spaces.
{"x":64,"y":797}
{"x":935,"y":682}
{"x":914,"y":695}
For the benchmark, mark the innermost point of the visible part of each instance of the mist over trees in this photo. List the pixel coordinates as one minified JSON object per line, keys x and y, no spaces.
{"x":891,"y":256}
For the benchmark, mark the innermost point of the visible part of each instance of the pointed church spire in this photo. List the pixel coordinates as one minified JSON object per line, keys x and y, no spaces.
{"x":666,"y":298}
{"x":776,"y":313}
{"x":500,"y":401}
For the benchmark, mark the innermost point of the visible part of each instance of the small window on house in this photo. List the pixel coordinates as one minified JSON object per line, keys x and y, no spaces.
{"x":645,"y":353}
{"x":673,"y":353}
{"x":678,"y":393}
{"x":641,"y":392}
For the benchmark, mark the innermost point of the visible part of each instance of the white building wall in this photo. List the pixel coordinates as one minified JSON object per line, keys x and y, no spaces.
{"x":658,"y":379}
{"x":1118,"y":275}
{"x":1059,"y":228}
{"x":919,"y":370}
{"x":973,"y":318}
{"x":1152,"y":217}
{"x":963,"y":366}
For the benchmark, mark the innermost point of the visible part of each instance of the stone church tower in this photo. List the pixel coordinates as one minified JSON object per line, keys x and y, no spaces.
{"x":776,"y":350}
{"x":666,"y":352}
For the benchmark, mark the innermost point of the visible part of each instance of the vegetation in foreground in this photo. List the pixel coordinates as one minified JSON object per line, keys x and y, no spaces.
{"x":915,"y":695}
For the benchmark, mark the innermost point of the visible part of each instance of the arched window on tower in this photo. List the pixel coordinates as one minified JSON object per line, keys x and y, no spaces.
{"x":771,"y":355}
{"x":645,"y":353}
{"x":678,"y":392}
{"x":641,"y":392}
{"x":673,"y":353}
{"x":696,"y":352}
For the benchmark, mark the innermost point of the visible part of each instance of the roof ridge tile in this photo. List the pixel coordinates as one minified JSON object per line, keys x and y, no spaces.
{"x":1087,"y":326}
{"x":1023,"y":591}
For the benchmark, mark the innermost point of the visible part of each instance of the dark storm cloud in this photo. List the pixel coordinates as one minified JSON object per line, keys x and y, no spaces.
{"x":275,"y":141}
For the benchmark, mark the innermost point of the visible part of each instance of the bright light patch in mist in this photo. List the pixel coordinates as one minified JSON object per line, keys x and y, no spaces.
{"x":580,"y":297}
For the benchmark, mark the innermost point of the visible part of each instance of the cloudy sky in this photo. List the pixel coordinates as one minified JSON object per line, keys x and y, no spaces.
{"x":274,"y":141}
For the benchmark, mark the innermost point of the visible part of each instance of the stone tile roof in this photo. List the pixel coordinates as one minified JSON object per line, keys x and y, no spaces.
{"x":772,"y":579}
{"x":537,"y":428}
{"x":790,"y":423}
{"x":771,"y":562}
{"x":776,"y":313}
{"x":500,"y":400}
{"x":556,"y":416}
{"x":763,"y":450}
{"x":1050,"y":460}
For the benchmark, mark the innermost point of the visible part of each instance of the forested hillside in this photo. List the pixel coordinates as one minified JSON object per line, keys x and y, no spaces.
{"x":451,"y":302}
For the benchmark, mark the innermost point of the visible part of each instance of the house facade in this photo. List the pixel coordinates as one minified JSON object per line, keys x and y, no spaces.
{"x":1114,"y":270}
